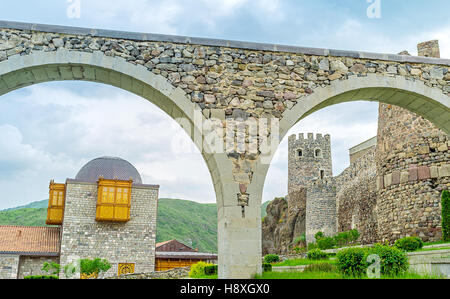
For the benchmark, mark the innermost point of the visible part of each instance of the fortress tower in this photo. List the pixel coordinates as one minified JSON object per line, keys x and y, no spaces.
{"x":309,"y":159}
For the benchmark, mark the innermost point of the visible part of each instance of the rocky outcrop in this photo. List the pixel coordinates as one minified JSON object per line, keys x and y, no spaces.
{"x":284,"y":223}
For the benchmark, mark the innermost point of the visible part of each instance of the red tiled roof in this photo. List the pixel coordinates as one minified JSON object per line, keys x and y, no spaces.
{"x":27,"y":240}
{"x":162,"y":243}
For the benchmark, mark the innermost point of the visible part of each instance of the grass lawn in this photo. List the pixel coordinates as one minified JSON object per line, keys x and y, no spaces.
{"x":436,"y":243}
{"x":331,"y":275}
{"x":207,"y":277}
{"x":302,"y":262}
{"x":323,"y":275}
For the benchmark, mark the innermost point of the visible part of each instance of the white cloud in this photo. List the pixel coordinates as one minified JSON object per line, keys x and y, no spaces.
{"x":175,"y":16}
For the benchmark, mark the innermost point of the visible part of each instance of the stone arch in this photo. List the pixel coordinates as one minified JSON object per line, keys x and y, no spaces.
{"x":413,"y":95}
{"x":24,"y":70}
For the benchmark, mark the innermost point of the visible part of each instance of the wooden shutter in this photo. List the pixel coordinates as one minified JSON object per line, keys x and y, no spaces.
{"x":55,"y":211}
{"x":114,"y":200}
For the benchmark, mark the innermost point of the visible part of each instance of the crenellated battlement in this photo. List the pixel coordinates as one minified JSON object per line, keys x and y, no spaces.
{"x":309,"y":137}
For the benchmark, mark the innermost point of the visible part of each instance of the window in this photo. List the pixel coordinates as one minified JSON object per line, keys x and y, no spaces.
{"x":300,"y":153}
{"x":318,"y":153}
{"x":56,"y":199}
{"x":113,"y":201}
{"x":322,"y":174}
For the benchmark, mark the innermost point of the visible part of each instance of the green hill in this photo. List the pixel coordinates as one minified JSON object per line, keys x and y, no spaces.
{"x":189,"y":222}
{"x":43,"y":204}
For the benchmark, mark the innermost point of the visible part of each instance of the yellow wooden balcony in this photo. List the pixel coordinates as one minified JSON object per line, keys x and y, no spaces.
{"x":114,"y":200}
{"x":55,"y":211}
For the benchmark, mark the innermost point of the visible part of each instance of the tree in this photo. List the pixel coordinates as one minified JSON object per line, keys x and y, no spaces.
{"x":446,"y":215}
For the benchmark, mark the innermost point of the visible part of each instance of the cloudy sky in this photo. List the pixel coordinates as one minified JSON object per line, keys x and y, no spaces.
{"x":49,"y":131}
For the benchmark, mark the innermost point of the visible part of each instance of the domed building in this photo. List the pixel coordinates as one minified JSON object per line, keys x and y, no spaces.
{"x":104,"y":212}
{"x":110,"y":168}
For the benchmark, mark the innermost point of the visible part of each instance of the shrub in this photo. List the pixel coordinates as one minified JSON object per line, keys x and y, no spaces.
{"x":298,"y":249}
{"x":320,"y":267}
{"x":317,"y":254}
{"x":354,"y":235}
{"x":41,"y":277}
{"x":312,"y":246}
{"x":319,"y":235}
{"x":445,"y":215}
{"x":267,"y":267}
{"x":352,"y":261}
{"x":96,"y":265}
{"x":326,"y":243}
{"x":271,"y":258}
{"x":52,"y":268}
{"x":198,"y":269}
{"x":341,"y":239}
{"x":346,"y":238}
{"x":409,"y":243}
{"x":211,"y":270}
{"x":393,"y":260}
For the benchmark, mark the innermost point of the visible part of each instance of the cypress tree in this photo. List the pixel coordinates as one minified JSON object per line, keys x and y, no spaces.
{"x":446,"y":215}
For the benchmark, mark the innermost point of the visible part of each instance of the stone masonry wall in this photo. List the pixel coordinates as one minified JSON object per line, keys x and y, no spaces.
{"x":9,"y":266}
{"x":413,"y":168}
{"x":30,"y":265}
{"x":131,"y":242}
{"x":306,"y":168}
{"x":356,"y":197}
{"x":224,"y":82}
{"x":321,"y":212}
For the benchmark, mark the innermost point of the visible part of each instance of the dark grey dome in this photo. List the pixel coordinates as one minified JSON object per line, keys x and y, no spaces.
{"x":109,"y":168}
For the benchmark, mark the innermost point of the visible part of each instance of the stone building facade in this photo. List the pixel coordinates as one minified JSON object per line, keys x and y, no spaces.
{"x":130,"y":242}
{"x":82,"y":232}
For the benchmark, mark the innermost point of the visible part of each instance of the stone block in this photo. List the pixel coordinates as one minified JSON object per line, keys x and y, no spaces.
{"x":423,"y":173}
{"x":443,"y":148}
{"x":424,"y":150}
{"x":404,"y":177}
{"x":388,"y":180}
{"x":380,"y":183}
{"x":444,"y":170}
{"x":413,"y":173}
{"x":218,"y":114}
{"x":434,"y":172}
{"x":396,"y":178}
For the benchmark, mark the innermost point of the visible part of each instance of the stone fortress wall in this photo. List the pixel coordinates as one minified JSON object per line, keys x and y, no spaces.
{"x":412,"y":168}
{"x":356,"y":195}
{"x":321,"y":208}
{"x":393,"y":184}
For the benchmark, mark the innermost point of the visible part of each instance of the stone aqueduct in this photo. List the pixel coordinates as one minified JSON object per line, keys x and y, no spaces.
{"x":226,"y":80}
